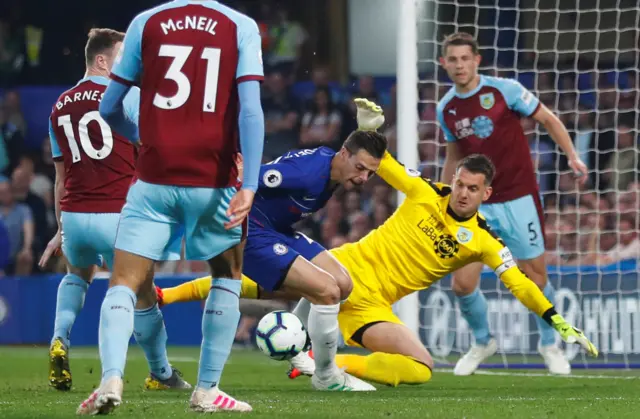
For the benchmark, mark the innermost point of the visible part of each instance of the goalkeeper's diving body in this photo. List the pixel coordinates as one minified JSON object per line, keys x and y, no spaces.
{"x":435,"y":231}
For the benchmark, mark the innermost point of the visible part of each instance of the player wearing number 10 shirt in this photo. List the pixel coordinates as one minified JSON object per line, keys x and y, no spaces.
{"x":94,"y":167}
{"x":198,"y":64}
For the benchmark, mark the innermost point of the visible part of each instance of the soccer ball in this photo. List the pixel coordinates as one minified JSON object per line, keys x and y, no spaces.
{"x":281,"y":335}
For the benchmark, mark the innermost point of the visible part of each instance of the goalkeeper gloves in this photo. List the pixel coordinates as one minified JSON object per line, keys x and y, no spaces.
{"x":369,"y":115}
{"x":570,"y":334}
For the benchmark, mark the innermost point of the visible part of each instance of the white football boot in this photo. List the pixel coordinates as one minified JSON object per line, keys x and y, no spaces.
{"x":104,"y":399}
{"x":302,"y":364}
{"x":555,"y":360}
{"x":470,"y":362}
{"x":341,"y":382}
{"x":215,"y":400}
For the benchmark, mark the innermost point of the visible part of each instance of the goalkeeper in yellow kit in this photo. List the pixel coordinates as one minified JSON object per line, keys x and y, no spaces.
{"x":435,"y":231}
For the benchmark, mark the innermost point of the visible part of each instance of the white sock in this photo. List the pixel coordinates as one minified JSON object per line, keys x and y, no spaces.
{"x":323,"y":331}
{"x":302,"y":311}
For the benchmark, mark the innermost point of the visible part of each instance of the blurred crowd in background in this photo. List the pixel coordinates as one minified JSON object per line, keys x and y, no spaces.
{"x":593,"y":224}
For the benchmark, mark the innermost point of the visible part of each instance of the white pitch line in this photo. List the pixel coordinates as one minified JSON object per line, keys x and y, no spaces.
{"x":540,"y":374}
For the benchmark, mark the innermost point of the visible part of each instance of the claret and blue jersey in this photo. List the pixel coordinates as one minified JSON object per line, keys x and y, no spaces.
{"x":486,"y":120}
{"x":198,"y":65}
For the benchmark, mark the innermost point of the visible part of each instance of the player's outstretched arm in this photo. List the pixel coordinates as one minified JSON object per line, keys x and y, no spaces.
{"x":370,"y":117}
{"x":499,"y":258}
{"x":559,"y":134}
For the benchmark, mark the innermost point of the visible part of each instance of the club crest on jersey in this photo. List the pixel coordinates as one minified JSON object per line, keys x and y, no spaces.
{"x":482,"y":126}
{"x":280,"y":249}
{"x":487,"y":101}
{"x":412,"y":172}
{"x":464,"y":235}
{"x":272,"y":178}
{"x":446,"y":246}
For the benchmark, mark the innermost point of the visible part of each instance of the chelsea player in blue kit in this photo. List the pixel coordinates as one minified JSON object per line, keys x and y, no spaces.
{"x":290,"y":188}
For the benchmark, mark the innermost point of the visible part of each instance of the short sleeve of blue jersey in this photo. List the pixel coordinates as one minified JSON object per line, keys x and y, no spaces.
{"x":283,"y":173}
{"x":55,"y":148}
{"x":249,"y":49}
{"x":128,"y":63}
{"x":518,"y":97}
{"x":448,"y":136}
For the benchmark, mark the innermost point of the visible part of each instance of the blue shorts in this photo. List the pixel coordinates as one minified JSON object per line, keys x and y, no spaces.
{"x":268,"y":254}
{"x":156,"y":218}
{"x":519,"y":223}
{"x":88,"y":238}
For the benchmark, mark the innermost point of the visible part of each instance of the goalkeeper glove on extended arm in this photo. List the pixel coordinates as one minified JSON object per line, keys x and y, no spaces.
{"x":568,"y":333}
{"x":369,"y":115}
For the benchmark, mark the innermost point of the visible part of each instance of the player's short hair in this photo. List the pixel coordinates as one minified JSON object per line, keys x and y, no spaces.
{"x":460,"y":39}
{"x":372,"y":142}
{"x":101,"y":40}
{"x":478,"y":164}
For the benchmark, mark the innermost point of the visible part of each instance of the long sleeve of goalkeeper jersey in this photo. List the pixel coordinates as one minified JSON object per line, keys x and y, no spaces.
{"x":405,"y":180}
{"x":498,"y":257}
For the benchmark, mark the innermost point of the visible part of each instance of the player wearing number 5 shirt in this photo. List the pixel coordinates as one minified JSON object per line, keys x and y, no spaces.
{"x":482,"y":115}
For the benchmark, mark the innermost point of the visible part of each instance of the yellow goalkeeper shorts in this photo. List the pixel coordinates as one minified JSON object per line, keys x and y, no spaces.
{"x":364,"y":306}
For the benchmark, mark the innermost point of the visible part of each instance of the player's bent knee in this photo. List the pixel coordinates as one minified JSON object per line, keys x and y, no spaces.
{"x":428,"y":361}
{"x":329,"y":294}
{"x":462,"y":285}
{"x":345,"y":284}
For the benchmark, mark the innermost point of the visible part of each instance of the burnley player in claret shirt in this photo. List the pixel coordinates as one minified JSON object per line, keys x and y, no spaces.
{"x":198,"y":64}
{"x":482,"y":115}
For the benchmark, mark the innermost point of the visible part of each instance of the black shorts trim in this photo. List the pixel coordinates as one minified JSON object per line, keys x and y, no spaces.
{"x":357,"y":336}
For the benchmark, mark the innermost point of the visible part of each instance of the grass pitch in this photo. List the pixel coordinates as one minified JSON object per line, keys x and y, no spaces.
{"x":249,"y":376}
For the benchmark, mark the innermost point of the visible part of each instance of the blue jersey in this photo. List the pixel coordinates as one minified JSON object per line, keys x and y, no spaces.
{"x":293,"y":187}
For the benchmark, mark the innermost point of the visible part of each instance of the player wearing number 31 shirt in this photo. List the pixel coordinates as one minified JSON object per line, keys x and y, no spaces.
{"x":198,"y":64}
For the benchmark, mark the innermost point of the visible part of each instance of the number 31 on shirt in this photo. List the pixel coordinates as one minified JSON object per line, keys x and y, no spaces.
{"x":180,"y":55}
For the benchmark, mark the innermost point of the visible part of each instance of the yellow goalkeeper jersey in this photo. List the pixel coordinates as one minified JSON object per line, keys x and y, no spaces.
{"x":424,"y":241}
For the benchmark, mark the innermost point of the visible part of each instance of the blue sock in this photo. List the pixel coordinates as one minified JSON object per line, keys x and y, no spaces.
{"x":219,"y":324}
{"x":474,"y":310}
{"x":116,"y":327}
{"x":71,"y":292}
{"x":547,"y":333}
{"x":151,"y":335}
